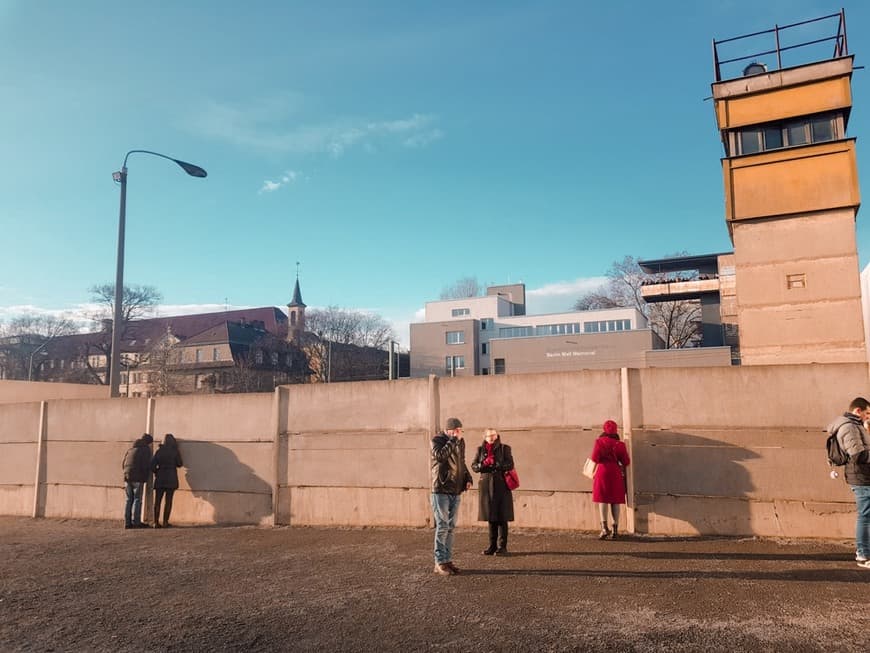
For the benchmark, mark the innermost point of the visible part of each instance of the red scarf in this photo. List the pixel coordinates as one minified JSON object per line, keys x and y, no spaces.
{"x":489,"y":461}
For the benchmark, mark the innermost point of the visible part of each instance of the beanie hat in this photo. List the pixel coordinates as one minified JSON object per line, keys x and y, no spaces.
{"x":453,"y":423}
{"x":610,"y":427}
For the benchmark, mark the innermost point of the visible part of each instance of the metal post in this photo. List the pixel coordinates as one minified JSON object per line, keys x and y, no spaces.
{"x":114,"y":364}
{"x":32,"y":354}
{"x":390,"y":376}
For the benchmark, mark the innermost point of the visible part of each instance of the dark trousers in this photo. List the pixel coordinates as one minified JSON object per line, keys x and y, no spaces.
{"x":167,"y":508}
{"x":498,"y":532}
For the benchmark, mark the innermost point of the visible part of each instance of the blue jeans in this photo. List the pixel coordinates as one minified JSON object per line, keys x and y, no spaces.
{"x":862,"y":525}
{"x":133,"y":508}
{"x":445,"y":507}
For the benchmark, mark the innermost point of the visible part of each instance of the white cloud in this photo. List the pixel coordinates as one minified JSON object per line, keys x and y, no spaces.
{"x":262,"y":125}
{"x":424,"y":138}
{"x":287,"y":178}
{"x":559,"y":297}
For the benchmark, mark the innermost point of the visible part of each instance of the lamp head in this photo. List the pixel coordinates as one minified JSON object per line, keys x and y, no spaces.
{"x":191,"y":169}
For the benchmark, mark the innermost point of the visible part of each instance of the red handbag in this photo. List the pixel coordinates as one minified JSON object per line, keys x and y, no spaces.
{"x":511,"y":479}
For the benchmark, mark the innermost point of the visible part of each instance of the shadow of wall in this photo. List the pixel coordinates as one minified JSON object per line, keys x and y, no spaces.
{"x":688,"y":484}
{"x":216,"y":487}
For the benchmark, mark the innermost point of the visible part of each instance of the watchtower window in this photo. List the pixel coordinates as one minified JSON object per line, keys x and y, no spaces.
{"x":774,"y":136}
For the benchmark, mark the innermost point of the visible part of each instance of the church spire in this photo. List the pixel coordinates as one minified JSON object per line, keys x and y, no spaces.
{"x":296,"y":313}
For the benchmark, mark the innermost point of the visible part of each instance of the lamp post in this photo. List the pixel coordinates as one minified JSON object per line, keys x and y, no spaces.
{"x":32,"y":354}
{"x":121,"y":177}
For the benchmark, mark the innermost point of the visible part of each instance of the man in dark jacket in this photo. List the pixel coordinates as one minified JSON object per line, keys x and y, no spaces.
{"x":853,"y":439}
{"x":450,"y":478}
{"x":137,"y":466}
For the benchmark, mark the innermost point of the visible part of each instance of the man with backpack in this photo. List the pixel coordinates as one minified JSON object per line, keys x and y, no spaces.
{"x":855,"y":442}
{"x":137,"y":467}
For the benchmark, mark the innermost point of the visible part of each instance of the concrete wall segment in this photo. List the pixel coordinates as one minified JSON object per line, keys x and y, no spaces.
{"x":19,"y":422}
{"x":399,"y":406}
{"x":562,"y":399}
{"x":749,"y":397}
{"x":118,"y":420}
{"x":215,"y":418}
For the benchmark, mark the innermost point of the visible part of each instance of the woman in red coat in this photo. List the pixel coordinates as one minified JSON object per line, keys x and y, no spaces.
{"x":608,"y":484}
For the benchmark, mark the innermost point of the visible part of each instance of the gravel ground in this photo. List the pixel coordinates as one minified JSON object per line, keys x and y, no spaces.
{"x":70,"y":585}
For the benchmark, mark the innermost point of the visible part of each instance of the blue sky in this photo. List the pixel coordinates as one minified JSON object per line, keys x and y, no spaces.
{"x":389,"y":147}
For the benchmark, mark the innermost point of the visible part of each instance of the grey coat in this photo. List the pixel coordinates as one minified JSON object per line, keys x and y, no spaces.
{"x":855,"y":441}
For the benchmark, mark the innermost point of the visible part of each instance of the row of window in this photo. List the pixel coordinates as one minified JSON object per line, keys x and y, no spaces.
{"x":774,"y":136}
{"x":601,"y":326}
{"x":568,"y":328}
{"x":458,"y":312}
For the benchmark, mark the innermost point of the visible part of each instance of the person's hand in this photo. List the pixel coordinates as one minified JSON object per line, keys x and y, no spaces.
{"x":468,"y":485}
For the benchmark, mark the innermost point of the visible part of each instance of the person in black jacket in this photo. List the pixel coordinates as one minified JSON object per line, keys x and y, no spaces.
{"x":165,"y":466}
{"x":496,"y":505}
{"x":135,"y":468}
{"x":450,"y":478}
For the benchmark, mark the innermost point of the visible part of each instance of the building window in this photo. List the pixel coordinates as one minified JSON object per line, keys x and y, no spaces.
{"x":258,"y":356}
{"x":516,"y":332}
{"x":499,"y":366}
{"x":557,"y":329}
{"x":485,"y":371}
{"x":215,"y":354}
{"x":198,"y":355}
{"x":274,"y":358}
{"x":452,"y":363}
{"x":483,"y":348}
{"x":457,"y":312}
{"x":288,"y":360}
{"x":602,"y":326}
{"x":794,"y":281}
{"x":486,"y":323}
{"x":456,"y":337}
{"x":787,"y":134}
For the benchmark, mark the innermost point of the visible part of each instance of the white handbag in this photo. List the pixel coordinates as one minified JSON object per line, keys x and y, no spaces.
{"x":589,"y":468}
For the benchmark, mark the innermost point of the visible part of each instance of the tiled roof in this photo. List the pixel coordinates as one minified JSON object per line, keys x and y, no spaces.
{"x":141,"y":335}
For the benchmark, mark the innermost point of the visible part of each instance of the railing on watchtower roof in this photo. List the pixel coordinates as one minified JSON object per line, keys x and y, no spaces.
{"x":797,"y":53}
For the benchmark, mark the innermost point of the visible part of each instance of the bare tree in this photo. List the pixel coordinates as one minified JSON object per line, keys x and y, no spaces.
{"x":464,"y":287}
{"x":347,"y":343}
{"x":137,"y":302}
{"x":26,"y":335}
{"x":676,"y":322}
{"x":162,"y":361}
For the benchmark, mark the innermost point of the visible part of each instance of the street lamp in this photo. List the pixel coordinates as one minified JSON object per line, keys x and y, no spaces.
{"x":32,"y":354}
{"x":121,"y":177}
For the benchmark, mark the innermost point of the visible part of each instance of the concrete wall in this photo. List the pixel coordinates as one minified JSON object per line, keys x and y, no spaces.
{"x":17,"y":392}
{"x":729,"y":450}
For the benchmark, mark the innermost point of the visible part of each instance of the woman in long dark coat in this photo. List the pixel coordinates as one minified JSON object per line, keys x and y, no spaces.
{"x":608,"y":484}
{"x":165,"y":464}
{"x":496,"y":505}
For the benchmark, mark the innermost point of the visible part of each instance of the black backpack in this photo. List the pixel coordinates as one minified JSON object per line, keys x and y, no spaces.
{"x":836,"y":455}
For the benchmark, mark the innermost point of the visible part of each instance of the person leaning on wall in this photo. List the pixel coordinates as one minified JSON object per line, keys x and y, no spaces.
{"x":496,"y":501}
{"x":608,"y":484}
{"x":135,"y":468}
{"x":165,"y":464}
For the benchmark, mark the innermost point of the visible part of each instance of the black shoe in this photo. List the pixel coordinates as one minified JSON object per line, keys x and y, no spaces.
{"x":490,"y":551}
{"x":501,"y":551}
{"x":126,"y":526}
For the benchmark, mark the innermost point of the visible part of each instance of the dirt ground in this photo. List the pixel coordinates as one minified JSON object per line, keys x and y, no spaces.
{"x":68,"y":585}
